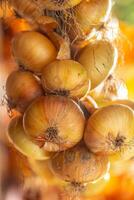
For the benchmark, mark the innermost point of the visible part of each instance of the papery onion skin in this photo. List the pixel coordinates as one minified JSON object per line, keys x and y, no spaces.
{"x":33,"y":51}
{"x":88,"y":105}
{"x":100,"y":59}
{"x":55,"y":123}
{"x":111,"y":89}
{"x":84,"y":21}
{"x":58,"y":5}
{"x":109,"y":130}
{"x":22,"y":88}
{"x":21,"y":142}
{"x":66,"y":76}
{"x":79,"y":165}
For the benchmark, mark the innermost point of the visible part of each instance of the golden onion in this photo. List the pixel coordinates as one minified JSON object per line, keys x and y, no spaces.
{"x":110,"y":130}
{"x":100,"y":59}
{"x":88,"y":15}
{"x":65,"y":77}
{"x":55,"y":123}
{"x":78,"y":165}
{"x":33,"y":51}
{"x":22,"y":88}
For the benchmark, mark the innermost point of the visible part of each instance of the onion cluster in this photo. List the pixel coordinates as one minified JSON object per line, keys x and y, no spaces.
{"x":55,"y":90}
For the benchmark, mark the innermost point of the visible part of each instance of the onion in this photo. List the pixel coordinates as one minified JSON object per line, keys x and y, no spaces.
{"x":33,"y":51}
{"x":57,"y":4}
{"x":55,"y":123}
{"x":78,"y":165}
{"x":22,"y":143}
{"x":100,"y":59}
{"x":22,"y":88}
{"x":65,"y":77}
{"x":110,"y":130}
{"x":88,"y":15}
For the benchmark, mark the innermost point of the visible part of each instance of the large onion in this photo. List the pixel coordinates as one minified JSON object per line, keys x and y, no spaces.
{"x":66,"y":77}
{"x":78,"y":165}
{"x":99,"y":58}
{"x":54,"y":123}
{"x":110,"y":130}
{"x":22,"y":143}
{"x":22,"y":88}
{"x":33,"y":50}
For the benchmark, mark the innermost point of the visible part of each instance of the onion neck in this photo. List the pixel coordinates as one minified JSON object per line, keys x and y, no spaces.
{"x":119,"y":141}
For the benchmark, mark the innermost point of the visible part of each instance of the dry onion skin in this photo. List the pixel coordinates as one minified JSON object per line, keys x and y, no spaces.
{"x":99,"y":58}
{"x":89,"y":14}
{"x":57,"y":4}
{"x":27,"y":9}
{"x":65,"y":77}
{"x":54,"y":123}
{"x":110,"y":90}
{"x":33,"y":51}
{"x":78,"y":165}
{"x":88,"y":105}
{"x":110,"y":30}
{"x":21,"y":142}
{"x":22,"y":88}
{"x":33,"y":14}
{"x":110,"y":130}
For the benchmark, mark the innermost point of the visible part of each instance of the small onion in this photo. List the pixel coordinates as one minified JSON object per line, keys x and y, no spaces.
{"x":88,"y":15}
{"x":22,"y":88}
{"x":57,"y":4}
{"x":65,"y":77}
{"x":78,"y":165}
{"x":33,"y":50}
{"x":55,"y":123}
{"x":99,"y":58}
{"x":110,"y":130}
{"x":22,"y":143}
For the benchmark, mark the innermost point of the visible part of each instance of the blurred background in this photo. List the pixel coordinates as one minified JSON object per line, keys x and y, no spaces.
{"x":15,"y":169}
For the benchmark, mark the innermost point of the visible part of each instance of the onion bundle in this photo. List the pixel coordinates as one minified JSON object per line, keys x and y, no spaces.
{"x":67,"y":53}
{"x":55,"y":123}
